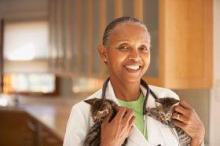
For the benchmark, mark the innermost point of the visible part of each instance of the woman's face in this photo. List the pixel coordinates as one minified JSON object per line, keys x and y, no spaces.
{"x":128,"y":52}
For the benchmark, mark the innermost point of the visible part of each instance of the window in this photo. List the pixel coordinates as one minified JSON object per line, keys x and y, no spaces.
{"x":25,"y":40}
{"x":25,"y":54}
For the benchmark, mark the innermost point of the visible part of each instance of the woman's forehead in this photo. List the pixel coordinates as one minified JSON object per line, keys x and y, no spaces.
{"x":129,"y":26}
{"x":129,"y":32}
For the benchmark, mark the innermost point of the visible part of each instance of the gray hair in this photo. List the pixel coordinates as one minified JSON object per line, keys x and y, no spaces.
{"x":121,"y":20}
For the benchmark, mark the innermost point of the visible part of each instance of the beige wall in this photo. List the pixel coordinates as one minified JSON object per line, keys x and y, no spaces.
{"x":215,"y":96}
{"x":199,"y":99}
{"x":18,"y":9}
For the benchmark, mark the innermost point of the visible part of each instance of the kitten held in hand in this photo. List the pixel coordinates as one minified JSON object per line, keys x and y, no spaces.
{"x":163,"y":113}
{"x":100,"y":109}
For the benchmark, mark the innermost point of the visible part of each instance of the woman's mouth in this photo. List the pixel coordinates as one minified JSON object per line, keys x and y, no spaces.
{"x":132,"y":67}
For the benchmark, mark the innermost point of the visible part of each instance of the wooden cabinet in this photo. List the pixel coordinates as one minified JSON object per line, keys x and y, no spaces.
{"x":18,"y":128}
{"x":185,"y":43}
{"x":181,"y":31}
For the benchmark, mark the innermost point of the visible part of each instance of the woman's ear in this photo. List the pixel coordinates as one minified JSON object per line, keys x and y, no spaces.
{"x":103,"y":53}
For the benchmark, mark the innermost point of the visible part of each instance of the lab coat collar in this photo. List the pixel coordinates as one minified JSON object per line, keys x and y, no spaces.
{"x":136,"y":137}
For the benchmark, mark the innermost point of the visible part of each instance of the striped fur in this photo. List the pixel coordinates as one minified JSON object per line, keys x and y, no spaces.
{"x":163,"y":112}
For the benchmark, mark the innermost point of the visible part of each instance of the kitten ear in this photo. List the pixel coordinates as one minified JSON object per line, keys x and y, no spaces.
{"x":177,"y":103}
{"x":91,"y":101}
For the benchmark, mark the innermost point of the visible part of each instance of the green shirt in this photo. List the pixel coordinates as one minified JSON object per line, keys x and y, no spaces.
{"x":137,"y":107}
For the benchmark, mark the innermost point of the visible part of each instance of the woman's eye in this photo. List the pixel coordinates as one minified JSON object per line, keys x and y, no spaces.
{"x":144,"y":49}
{"x":123,"y":48}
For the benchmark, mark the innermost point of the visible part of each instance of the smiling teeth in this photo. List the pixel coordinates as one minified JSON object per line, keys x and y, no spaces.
{"x":133,"y":67}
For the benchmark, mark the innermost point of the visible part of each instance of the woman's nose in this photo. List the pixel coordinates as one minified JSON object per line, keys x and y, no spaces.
{"x":134,"y":55}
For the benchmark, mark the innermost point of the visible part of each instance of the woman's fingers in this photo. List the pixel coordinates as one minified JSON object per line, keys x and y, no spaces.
{"x":120,"y":114}
{"x":119,"y":128}
{"x":128,"y":121}
{"x":179,"y":117}
{"x":106,"y":120}
{"x":185,"y":117}
{"x":131,"y":124}
{"x":125,"y":118}
{"x":180,"y":109}
{"x":183,"y":112}
{"x":128,"y":116}
{"x":132,"y":121}
{"x":123,"y":115}
{"x":183,"y":108}
{"x":178,"y":123}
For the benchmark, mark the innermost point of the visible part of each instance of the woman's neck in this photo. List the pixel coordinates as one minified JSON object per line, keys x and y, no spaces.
{"x":126,"y":91}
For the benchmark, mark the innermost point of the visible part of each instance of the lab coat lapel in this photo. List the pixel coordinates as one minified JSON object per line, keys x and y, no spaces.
{"x":110,"y":93}
{"x":137,"y":138}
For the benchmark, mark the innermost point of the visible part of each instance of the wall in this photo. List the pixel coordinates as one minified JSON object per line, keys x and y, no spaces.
{"x":215,"y":93}
{"x":199,"y":99}
{"x":65,"y":87}
{"x":16,"y":9}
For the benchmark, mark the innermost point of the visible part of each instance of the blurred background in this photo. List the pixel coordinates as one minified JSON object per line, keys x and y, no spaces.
{"x":49,"y":60}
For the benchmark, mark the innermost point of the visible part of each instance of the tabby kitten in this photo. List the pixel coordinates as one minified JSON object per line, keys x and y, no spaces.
{"x":100,"y":109}
{"x":163,"y":113}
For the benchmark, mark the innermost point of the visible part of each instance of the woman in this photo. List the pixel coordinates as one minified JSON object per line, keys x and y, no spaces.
{"x":126,"y":52}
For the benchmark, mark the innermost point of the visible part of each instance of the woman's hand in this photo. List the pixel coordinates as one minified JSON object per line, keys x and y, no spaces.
{"x":115,"y":132}
{"x":185,"y":117}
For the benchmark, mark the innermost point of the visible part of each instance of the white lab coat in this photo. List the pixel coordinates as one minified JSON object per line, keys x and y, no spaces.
{"x":80,"y":121}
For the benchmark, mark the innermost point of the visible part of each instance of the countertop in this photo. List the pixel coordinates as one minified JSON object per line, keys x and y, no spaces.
{"x":53,"y":112}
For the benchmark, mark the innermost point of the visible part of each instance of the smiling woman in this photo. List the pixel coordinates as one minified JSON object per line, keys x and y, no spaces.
{"x":125,"y":50}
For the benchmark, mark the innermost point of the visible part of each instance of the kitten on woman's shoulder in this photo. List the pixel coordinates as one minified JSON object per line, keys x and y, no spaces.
{"x":163,"y":111}
{"x":100,"y":109}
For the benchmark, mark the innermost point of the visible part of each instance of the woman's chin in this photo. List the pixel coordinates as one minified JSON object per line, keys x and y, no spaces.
{"x":128,"y":77}
{"x":132,"y":79}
